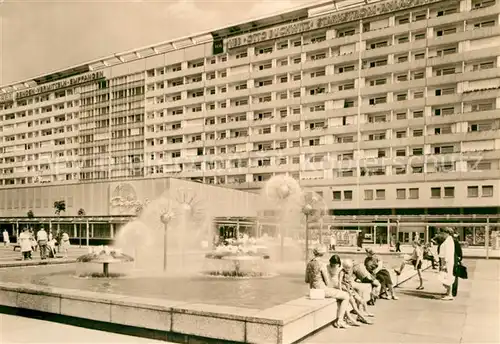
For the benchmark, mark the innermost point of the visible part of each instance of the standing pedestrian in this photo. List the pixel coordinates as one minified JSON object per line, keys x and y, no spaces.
{"x":25,"y":243}
{"x":360,"y":239}
{"x":447,"y":259}
{"x":458,"y":261}
{"x":6,"y":238}
{"x":333,"y":241}
{"x":42,"y":239}
{"x":64,"y":244}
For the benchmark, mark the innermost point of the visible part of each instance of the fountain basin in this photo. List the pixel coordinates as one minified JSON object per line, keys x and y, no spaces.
{"x":179,"y":320}
{"x":258,"y":310}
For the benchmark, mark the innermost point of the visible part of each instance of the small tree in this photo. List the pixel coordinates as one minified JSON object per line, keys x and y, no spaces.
{"x":81,"y":213}
{"x":59,"y":206}
{"x":30,"y":215}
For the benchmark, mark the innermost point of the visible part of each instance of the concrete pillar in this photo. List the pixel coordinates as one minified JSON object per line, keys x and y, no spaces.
{"x":397,"y":231}
{"x":92,"y":230}
{"x":112,"y":230}
{"x":87,"y":231}
{"x":75,"y":231}
{"x":389,"y":233}
{"x":487,"y":238}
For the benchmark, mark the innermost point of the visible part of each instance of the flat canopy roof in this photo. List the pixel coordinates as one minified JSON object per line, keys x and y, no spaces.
{"x":294,"y":14}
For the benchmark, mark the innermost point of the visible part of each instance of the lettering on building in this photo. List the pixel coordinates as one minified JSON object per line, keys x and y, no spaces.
{"x":124,"y":200}
{"x":325,"y":21}
{"x":81,"y":79}
{"x":6,"y":97}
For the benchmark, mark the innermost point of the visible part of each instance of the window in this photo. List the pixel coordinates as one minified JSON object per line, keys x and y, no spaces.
{"x":347,"y":195}
{"x":449,"y":191}
{"x":378,"y":100}
{"x":487,"y":191}
{"x":337,"y":196}
{"x":417,"y":169}
{"x":368,"y":195}
{"x":413,"y":193}
{"x":402,"y":58}
{"x":418,"y":114}
{"x":435,"y":192}
{"x":473,"y":191}
{"x":400,"y":134}
{"x":418,"y":132}
{"x":380,"y":194}
{"x":403,"y":39}
{"x":401,"y":193}
{"x":402,"y":77}
{"x":400,"y":116}
{"x":481,"y":66}
{"x":401,"y":96}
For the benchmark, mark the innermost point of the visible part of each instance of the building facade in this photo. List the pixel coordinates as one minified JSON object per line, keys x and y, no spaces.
{"x":382,"y":107}
{"x":96,"y":211}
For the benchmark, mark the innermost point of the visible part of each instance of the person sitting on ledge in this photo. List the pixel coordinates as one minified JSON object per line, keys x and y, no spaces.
{"x":375,"y":266}
{"x":317,"y":278}
{"x":341,"y":277}
{"x":383,"y":276}
{"x":429,"y":255}
{"x":364,"y":276}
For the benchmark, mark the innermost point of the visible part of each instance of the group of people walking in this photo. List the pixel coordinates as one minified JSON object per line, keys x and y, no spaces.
{"x":29,"y":241}
{"x":357,"y":285}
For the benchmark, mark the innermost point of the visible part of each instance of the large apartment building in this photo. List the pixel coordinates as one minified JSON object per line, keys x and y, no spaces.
{"x":375,"y":105}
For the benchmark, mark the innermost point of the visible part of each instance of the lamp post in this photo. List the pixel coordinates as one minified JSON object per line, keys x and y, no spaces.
{"x":283,"y":193}
{"x":165,"y":219}
{"x":307,"y":210}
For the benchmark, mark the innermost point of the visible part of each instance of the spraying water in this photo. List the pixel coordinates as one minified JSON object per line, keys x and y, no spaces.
{"x":168,"y":234}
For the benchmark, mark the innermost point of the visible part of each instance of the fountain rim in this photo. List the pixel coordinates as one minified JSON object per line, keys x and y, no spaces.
{"x":238,"y":258}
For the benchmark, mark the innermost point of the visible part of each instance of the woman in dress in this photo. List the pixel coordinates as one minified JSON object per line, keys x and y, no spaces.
{"x":317,"y":278}
{"x":342,"y":279}
{"x":25,"y":243}
{"x":65,"y":244}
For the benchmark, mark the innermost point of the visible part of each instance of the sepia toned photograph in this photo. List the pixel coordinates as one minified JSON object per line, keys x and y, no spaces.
{"x":250,"y":171}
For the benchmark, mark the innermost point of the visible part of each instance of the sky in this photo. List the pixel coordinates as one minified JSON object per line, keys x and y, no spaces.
{"x":40,"y":36}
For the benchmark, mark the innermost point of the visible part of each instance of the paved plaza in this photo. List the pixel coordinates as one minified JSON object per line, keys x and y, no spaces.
{"x":13,"y":329}
{"x":418,"y":317}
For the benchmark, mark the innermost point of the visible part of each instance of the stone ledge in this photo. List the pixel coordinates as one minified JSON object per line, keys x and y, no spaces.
{"x":281,"y":324}
{"x":24,"y":263}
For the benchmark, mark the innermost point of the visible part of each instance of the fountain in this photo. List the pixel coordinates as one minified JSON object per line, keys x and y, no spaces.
{"x":238,"y":253}
{"x":167,"y":234}
{"x":282,"y":195}
{"x":188,"y":303}
{"x":105,"y":256}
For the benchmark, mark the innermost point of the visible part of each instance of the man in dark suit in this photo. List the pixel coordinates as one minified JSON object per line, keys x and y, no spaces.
{"x":458,"y":260}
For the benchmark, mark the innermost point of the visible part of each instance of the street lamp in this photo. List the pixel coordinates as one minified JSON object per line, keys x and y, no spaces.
{"x":308,"y":211}
{"x":165,"y":218}
{"x":312,"y":207}
{"x":282,"y":190}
